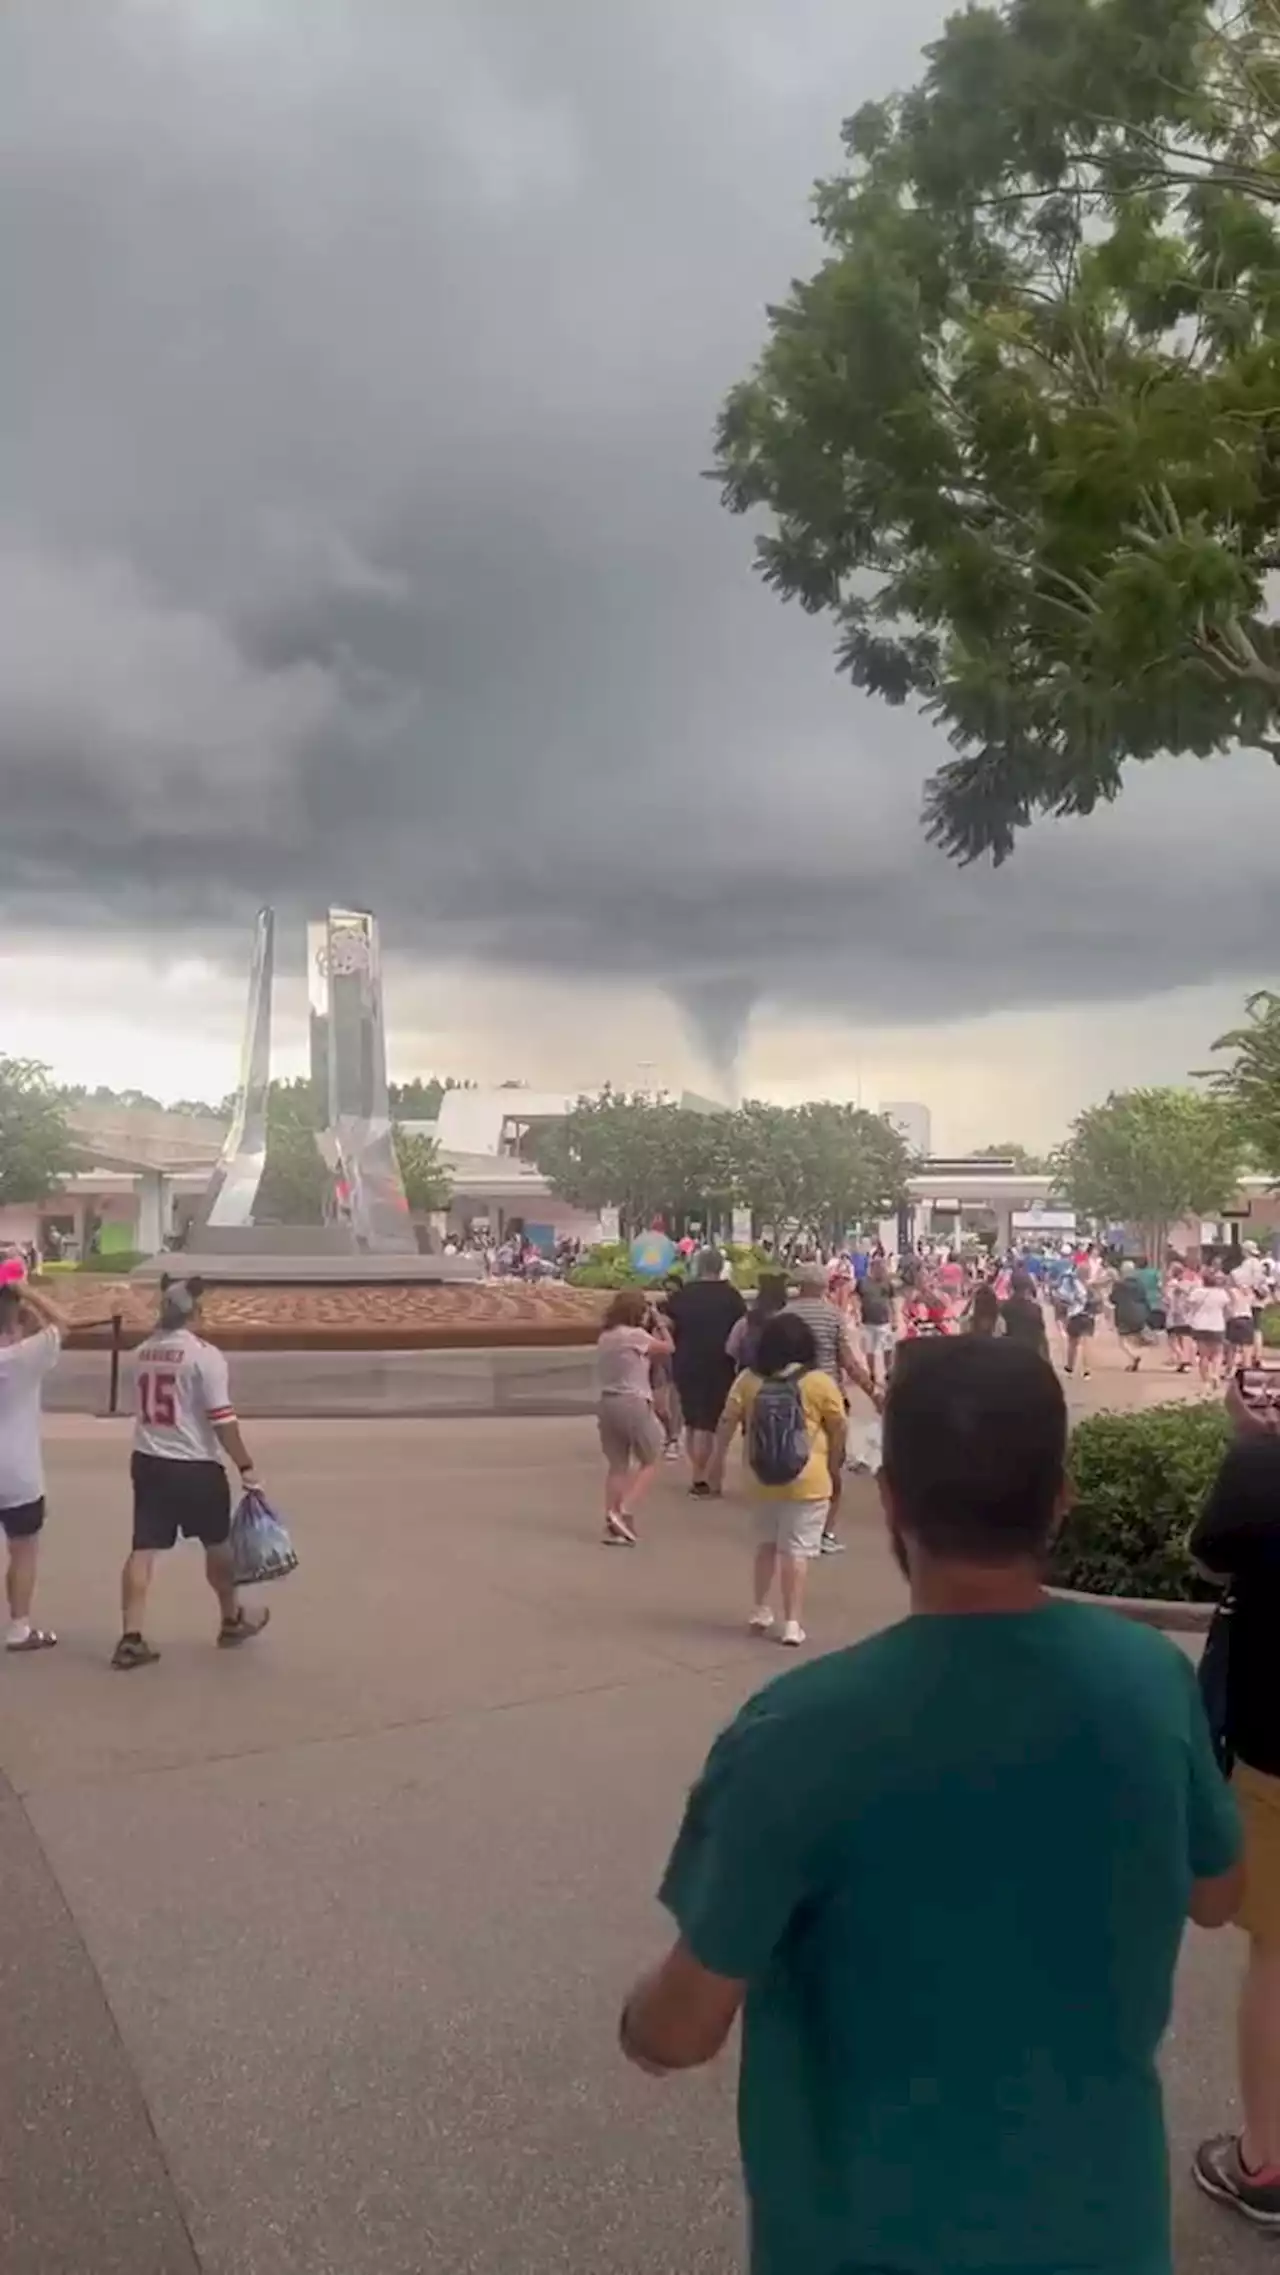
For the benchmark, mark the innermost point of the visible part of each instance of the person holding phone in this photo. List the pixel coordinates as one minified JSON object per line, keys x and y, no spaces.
{"x":31,"y":1330}
{"x":631,"y":1435}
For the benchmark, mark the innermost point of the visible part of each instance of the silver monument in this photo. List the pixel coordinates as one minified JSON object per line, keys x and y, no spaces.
{"x":233,"y":1188}
{"x":367,"y":1232}
{"x":349,"y":1055}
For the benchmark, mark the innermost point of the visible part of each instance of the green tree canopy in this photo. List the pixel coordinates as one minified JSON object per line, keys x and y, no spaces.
{"x":1147,"y":1158}
{"x":821,"y":1165}
{"x":296,"y":1185}
{"x":1017,"y":435}
{"x":419,"y":1100}
{"x":1027,"y":1163}
{"x":36,"y":1146}
{"x":853,"y":1166}
{"x":1250,"y":1085}
{"x":427,"y":1183}
{"x":641,"y":1155}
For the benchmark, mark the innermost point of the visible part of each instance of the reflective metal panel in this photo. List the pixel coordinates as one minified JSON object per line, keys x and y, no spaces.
{"x":370,"y":1188}
{"x":233,"y":1187}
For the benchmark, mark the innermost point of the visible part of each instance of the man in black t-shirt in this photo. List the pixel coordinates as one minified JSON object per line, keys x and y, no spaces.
{"x":1238,"y":1539}
{"x":1023,"y":1314}
{"x":703,"y":1315}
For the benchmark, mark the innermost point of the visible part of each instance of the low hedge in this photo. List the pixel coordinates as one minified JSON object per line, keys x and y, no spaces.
{"x":609,"y":1265}
{"x":1139,"y":1482}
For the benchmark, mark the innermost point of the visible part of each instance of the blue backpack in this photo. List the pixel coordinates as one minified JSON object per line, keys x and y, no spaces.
{"x":778,"y":1439}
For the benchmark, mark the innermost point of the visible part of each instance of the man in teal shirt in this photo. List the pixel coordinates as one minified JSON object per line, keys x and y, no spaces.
{"x":945,"y":1875}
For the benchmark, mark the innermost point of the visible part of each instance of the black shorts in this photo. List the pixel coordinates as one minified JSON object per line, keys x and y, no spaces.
{"x":1080,"y":1324}
{"x":1240,"y":1331}
{"x":171,"y":1497}
{"x":22,"y":1523}
{"x":1156,"y":1320}
{"x":703,"y":1390}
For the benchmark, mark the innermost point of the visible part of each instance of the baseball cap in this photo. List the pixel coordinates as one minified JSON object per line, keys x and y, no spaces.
{"x":178,"y":1300}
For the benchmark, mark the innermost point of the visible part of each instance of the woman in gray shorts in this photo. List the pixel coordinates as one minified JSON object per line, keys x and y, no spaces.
{"x":631,"y":1435}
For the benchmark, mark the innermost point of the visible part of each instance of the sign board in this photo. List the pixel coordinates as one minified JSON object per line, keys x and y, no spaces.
{"x":740,"y":1232}
{"x":1041,"y":1219}
{"x":610,"y":1225}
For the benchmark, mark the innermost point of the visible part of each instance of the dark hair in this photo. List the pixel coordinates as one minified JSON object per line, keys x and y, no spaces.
{"x":708,"y":1264}
{"x":975,"y":1444}
{"x":771,"y":1298}
{"x":984,"y":1311}
{"x":10,"y":1302}
{"x":1022,"y":1284}
{"x":786,"y":1340}
{"x":629,"y":1308}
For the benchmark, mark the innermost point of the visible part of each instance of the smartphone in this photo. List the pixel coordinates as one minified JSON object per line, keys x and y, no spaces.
{"x":1259,"y":1386}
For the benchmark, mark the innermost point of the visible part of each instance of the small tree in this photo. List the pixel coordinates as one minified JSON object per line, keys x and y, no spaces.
{"x":296,"y":1187}
{"x":1027,"y":1164}
{"x":419,"y":1100}
{"x":643,"y":1156}
{"x":427,"y":1183}
{"x":36,"y":1146}
{"x":1250,"y":1086}
{"x":854,"y":1165}
{"x":1148,"y":1158}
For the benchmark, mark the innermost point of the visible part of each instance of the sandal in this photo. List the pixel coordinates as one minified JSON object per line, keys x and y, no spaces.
{"x":133,"y":1651}
{"x":242,"y":1628}
{"x":36,"y":1639}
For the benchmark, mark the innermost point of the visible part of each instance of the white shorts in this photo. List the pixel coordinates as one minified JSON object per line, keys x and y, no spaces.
{"x":877,"y":1342}
{"x":794,"y":1528}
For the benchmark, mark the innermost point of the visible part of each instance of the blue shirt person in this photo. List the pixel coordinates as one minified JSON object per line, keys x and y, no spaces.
{"x":944,"y":1876}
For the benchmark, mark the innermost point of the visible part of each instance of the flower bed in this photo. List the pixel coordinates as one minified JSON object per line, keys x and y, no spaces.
{"x":465,"y":1315}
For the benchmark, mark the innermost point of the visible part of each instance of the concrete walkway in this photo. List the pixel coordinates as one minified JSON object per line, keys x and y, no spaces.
{"x":310,"y":1956}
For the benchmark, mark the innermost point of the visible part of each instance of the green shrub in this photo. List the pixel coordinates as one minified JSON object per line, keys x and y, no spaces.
{"x":594,"y":1275}
{"x":1271,"y":1325}
{"x":1139,"y":1482}
{"x":113,"y":1263}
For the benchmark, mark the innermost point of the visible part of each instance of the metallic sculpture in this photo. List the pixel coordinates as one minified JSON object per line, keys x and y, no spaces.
{"x":349,"y":1086}
{"x":370,"y":1190}
{"x":233,"y":1188}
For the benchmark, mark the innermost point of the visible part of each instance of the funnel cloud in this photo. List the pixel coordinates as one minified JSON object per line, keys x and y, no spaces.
{"x":360,"y":367}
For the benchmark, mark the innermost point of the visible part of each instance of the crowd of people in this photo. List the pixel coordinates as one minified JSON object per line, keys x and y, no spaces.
{"x":944,"y":1874}
{"x":670,"y":1359}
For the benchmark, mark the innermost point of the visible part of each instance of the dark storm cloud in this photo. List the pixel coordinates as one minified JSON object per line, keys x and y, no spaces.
{"x":359,"y":367}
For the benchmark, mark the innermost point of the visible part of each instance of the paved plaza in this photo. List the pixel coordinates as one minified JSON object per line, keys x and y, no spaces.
{"x":312,"y":1955}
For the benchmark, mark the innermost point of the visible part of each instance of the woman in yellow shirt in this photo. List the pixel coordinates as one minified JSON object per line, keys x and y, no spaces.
{"x":793,"y":1420}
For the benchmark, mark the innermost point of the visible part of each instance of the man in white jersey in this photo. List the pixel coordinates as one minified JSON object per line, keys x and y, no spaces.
{"x":184,"y":1423}
{"x":30,"y":1340}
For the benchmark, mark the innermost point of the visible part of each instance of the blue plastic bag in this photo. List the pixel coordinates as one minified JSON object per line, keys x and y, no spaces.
{"x":260,"y":1546}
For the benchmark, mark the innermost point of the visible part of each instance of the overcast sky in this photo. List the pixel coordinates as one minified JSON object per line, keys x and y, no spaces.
{"x":360,"y":360}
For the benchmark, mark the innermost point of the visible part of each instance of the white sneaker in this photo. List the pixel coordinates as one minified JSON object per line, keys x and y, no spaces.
{"x":792,"y":1633}
{"x":761,"y":1620}
{"x":672,"y":1452}
{"x":617,"y":1532}
{"x":831,"y":1546}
